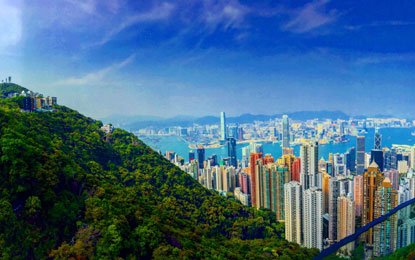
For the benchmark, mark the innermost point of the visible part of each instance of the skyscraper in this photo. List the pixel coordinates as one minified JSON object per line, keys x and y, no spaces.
{"x":296,"y":170}
{"x":262,"y":174}
{"x":385,"y":233}
{"x":372,"y":179}
{"x":200,"y":156}
{"x":345,"y":219}
{"x":313,"y":218}
{"x":412,"y":160}
{"x":285,"y":132}
{"x":280,"y":176}
{"x":255,"y":148}
{"x":338,"y":187}
{"x":245,"y":156}
{"x":293,"y":212}
{"x":309,"y":165}
{"x":254,"y":157}
{"x":351,"y":160}
{"x":191,"y":155}
{"x":378,"y":140}
{"x":339,"y":164}
{"x":233,"y":131}
{"x":377,"y":157}
{"x":223,"y":130}
{"x":358,"y":194}
{"x":326,"y":192}
{"x":244,"y":183}
{"x":232,"y":151}
{"x":360,"y":155}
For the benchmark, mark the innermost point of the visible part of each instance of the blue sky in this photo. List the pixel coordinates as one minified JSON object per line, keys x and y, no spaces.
{"x":168,"y":58}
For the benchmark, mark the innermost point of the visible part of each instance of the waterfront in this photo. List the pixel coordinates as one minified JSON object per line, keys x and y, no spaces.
{"x":389,"y":136}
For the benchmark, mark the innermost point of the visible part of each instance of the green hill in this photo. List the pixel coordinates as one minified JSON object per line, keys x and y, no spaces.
{"x":6,"y":88}
{"x":69,"y":191}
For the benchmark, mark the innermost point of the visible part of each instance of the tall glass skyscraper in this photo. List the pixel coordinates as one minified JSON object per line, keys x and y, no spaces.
{"x":201,"y":156}
{"x":377,"y":156}
{"x":232,"y":152}
{"x":378,"y":140}
{"x":223,"y":131}
{"x":285,"y":132}
{"x":360,"y":155}
{"x":351,"y":160}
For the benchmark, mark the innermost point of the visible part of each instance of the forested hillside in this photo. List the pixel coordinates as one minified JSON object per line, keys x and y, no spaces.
{"x":68,"y":190}
{"x":6,"y":88}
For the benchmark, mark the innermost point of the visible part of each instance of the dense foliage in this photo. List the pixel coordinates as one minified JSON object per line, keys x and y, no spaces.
{"x":405,"y":253}
{"x":68,"y":190}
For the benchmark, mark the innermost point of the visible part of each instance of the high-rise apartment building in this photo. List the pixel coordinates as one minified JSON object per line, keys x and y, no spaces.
{"x":338,"y":187}
{"x":412,"y":159}
{"x":293,"y":212}
{"x":385,"y":233}
{"x":296,"y":170}
{"x":345,"y":219}
{"x":358,"y":194}
{"x":254,"y":157}
{"x":309,"y":165}
{"x":280,"y":177}
{"x":313,"y":218}
{"x":326,"y":192}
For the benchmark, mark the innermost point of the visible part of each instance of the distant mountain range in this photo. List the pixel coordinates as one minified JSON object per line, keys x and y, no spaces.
{"x":137,"y":122}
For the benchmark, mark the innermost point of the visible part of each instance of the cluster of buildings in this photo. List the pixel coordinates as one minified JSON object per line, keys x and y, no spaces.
{"x":32,"y":101}
{"x":36,"y":102}
{"x":320,"y":201}
{"x":322,"y":130}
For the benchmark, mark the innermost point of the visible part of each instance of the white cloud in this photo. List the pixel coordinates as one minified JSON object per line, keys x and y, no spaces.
{"x":157,"y":13}
{"x":310,"y":17}
{"x":229,"y":14}
{"x":96,"y":77}
{"x":10,"y":24}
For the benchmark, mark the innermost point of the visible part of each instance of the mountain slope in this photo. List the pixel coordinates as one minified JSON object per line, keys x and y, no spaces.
{"x":6,"y":88}
{"x":69,"y":191}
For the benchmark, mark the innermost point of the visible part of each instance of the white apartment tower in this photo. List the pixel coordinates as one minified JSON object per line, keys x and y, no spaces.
{"x":313,"y":218}
{"x":293,"y":206}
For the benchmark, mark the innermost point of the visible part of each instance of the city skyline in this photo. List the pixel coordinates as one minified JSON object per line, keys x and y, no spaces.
{"x":323,"y":202}
{"x":167,"y":58}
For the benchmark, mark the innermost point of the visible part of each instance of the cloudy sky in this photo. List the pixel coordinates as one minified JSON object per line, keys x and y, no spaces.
{"x":189,"y":57}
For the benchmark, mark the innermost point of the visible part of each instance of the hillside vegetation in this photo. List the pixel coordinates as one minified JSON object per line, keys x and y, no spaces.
{"x":69,"y":191}
{"x":6,"y":88}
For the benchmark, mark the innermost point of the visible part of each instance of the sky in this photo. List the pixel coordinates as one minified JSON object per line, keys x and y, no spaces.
{"x":168,"y":58}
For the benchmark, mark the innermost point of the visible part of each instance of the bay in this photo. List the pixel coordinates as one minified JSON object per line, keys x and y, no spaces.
{"x":390,"y":136}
